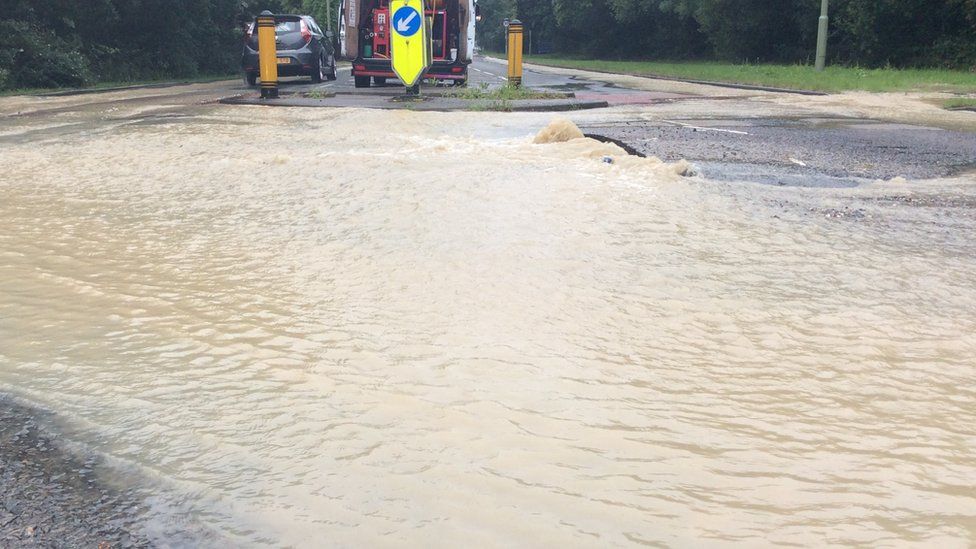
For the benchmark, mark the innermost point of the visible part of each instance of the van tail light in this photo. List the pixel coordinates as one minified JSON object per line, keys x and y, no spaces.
{"x":306,"y":34}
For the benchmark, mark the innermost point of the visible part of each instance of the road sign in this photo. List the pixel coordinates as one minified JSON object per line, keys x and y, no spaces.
{"x":407,"y":21}
{"x":410,"y":45}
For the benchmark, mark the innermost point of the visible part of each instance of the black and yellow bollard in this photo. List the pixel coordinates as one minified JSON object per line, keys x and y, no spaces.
{"x":268,"y":55}
{"x":515,"y":29}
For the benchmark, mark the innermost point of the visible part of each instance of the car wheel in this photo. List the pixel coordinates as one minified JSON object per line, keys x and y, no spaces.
{"x":379,"y":80}
{"x":332,"y":72}
{"x":251,"y":78}
{"x":318,"y":72}
{"x":362,"y":81}
{"x":460,"y":83}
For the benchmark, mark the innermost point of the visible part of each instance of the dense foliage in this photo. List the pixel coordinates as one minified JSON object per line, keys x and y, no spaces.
{"x":904,"y":33}
{"x":46,"y":43}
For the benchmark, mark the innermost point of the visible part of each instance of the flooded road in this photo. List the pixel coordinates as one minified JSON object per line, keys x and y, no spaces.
{"x":354,"y":328}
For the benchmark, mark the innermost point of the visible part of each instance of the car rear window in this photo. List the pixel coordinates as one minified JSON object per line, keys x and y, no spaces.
{"x":284,"y":27}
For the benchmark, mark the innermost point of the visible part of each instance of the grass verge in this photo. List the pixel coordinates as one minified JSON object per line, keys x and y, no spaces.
{"x":798,"y":77}
{"x":960,"y":103}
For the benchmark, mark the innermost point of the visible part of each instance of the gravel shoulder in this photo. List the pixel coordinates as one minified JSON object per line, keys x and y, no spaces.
{"x":50,"y":497}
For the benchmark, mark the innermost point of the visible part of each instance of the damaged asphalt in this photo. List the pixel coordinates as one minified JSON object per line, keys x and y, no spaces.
{"x":800,"y":152}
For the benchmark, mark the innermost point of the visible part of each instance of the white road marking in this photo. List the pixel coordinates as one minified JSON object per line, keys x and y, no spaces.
{"x":704,"y":129}
{"x":490,"y":74}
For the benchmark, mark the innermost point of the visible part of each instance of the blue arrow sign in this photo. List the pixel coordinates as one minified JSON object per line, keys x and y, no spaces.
{"x":406,"y":21}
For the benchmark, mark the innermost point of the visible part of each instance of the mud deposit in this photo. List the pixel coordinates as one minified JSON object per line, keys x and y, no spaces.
{"x":352,"y":328}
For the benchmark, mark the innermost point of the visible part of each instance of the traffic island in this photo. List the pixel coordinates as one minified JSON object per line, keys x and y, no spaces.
{"x":463,"y":99}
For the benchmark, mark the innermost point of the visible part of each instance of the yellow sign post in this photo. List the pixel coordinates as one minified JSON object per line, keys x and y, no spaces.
{"x":410,"y":44}
{"x":515,"y":29}
{"x":267,"y":55}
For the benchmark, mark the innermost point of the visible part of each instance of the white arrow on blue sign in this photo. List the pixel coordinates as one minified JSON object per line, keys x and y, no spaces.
{"x":406,"y":21}
{"x":410,"y":41}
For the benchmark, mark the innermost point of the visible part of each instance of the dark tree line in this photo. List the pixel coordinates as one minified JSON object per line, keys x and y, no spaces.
{"x":901,"y":33}
{"x":49,"y":43}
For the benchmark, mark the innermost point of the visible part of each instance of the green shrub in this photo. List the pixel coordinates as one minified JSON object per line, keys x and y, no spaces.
{"x":35,"y":58}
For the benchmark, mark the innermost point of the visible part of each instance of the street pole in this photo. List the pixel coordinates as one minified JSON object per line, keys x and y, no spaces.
{"x":822,"y":37}
{"x":328,"y":15}
{"x":267,"y":55}
{"x":515,"y":30}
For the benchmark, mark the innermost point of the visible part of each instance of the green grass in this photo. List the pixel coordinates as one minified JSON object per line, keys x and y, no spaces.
{"x":122,"y":84}
{"x":319,"y":94}
{"x":503,"y":93}
{"x":960,"y":103}
{"x":800,"y":77}
{"x":498,"y":99}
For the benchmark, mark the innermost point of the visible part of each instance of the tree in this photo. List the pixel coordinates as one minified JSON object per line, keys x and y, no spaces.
{"x":908,"y":32}
{"x":73,"y":43}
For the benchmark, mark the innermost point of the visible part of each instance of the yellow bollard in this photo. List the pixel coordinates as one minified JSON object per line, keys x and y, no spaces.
{"x":268,"y":55}
{"x":515,"y":29}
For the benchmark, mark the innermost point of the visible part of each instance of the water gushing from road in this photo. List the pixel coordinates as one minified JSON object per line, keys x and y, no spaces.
{"x":366,"y":329}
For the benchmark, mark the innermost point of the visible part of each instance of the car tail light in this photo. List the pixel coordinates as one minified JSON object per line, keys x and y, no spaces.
{"x":306,"y":34}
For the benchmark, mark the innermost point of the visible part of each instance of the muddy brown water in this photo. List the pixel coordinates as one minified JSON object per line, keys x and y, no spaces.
{"x":423,"y":329}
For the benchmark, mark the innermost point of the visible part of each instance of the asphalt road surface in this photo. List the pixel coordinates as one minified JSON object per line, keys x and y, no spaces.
{"x":137,"y":233}
{"x":722,"y":132}
{"x":490,"y":72}
{"x":51,"y":498}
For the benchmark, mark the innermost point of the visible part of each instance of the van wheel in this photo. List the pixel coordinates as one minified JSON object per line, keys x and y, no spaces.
{"x":251,"y":78}
{"x":362,"y":81}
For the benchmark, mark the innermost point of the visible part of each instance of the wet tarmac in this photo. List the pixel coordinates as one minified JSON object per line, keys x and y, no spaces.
{"x":51,"y":497}
{"x":800,"y":152}
{"x":729,"y":134}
